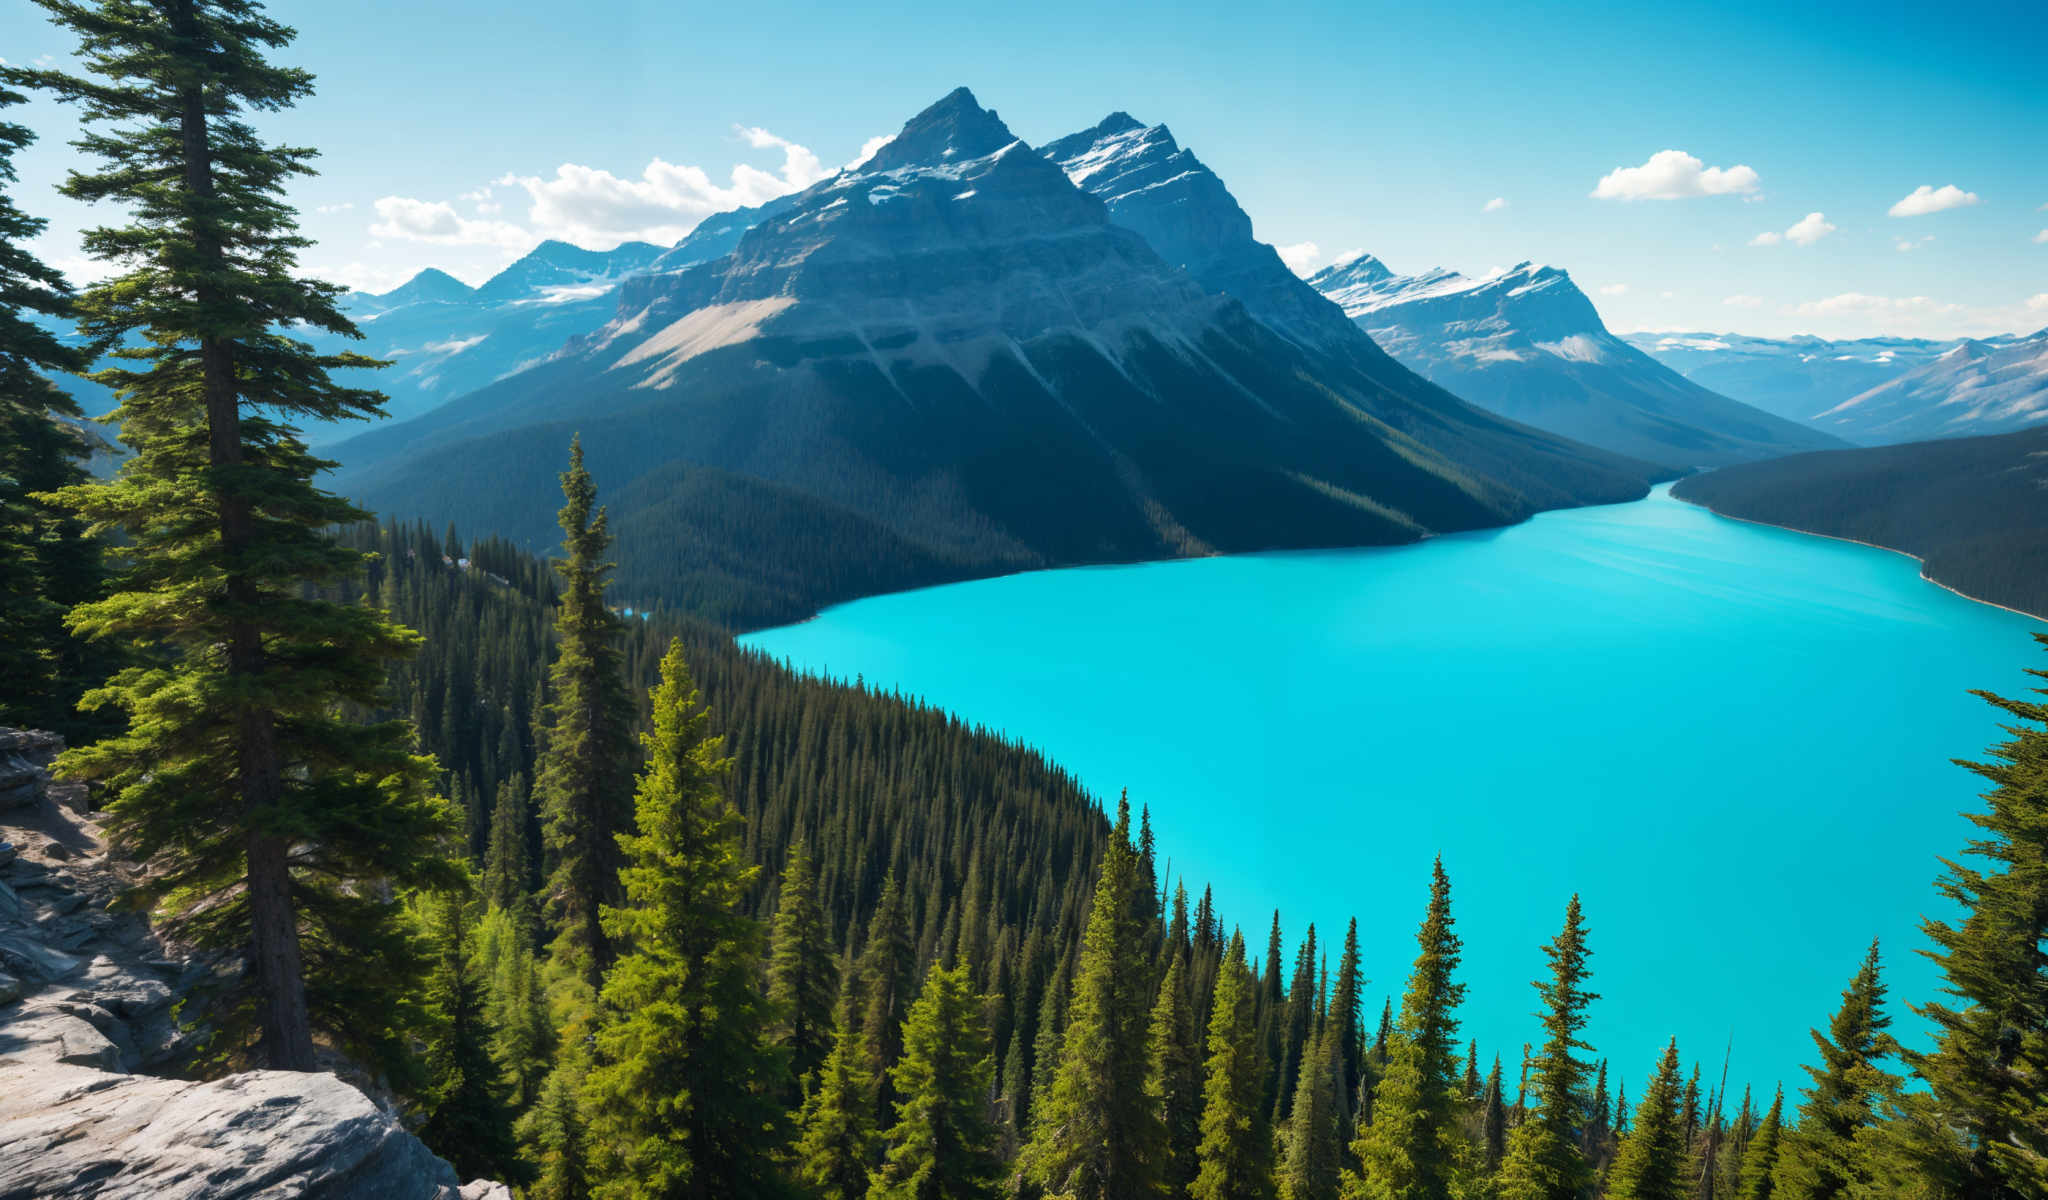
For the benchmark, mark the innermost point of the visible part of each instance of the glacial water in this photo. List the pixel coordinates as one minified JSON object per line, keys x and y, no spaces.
{"x":1732,"y":741}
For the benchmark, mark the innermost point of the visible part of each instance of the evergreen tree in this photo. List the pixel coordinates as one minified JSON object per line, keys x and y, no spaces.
{"x":942,"y":1146}
{"x":803,"y":976}
{"x":1173,"y":1084}
{"x":1981,"y":1129}
{"x":1097,"y":1136}
{"x":46,"y":562}
{"x":271,"y":825}
{"x":677,"y":1099}
{"x":1544,"y":1157}
{"x":1414,"y":1149}
{"x":1235,"y":1157}
{"x":1760,"y":1159}
{"x":516,"y":1007}
{"x":887,"y":974}
{"x":1315,"y":1145}
{"x":506,"y":859}
{"x":1824,"y":1157}
{"x":584,"y":781}
{"x":836,"y":1141}
{"x":471,"y":1122}
{"x":1493,"y":1122}
{"x":555,"y":1132}
{"x":1345,"y":1014}
{"x":1654,"y":1162}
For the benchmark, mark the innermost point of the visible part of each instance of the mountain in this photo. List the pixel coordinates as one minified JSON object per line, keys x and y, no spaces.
{"x":1528,"y":344}
{"x":953,"y":359}
{"x":444,"y":338}
{"x":1797,"y":378}
{"x":1975,"y":387}
{"x":1969,"y":508}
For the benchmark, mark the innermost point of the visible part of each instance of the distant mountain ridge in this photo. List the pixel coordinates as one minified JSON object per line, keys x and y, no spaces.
{"x":1527,"y":343}
{"x":955,"y":357}
{"x":1872,"y":391}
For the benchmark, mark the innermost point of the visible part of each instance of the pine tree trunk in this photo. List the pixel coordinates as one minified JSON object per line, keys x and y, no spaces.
{"x":287,"y":1040}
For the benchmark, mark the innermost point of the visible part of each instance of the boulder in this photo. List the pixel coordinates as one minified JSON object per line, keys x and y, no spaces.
{"x":69,"y":1131}
{"x":25,"y":758}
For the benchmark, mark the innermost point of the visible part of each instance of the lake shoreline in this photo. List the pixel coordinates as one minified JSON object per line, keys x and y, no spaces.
{"x":1836,"y":537}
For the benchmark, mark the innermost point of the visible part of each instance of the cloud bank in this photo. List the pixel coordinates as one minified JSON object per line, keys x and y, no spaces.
{"x":1674,"y":175}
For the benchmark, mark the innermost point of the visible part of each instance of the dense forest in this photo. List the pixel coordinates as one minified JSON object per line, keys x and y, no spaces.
{"x":1973,"y":510}
{"x":616,"y":909}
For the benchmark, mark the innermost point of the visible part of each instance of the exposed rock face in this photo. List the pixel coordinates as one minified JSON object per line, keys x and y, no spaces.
{"x":70,"y":1130}
{"x":89,"y":994}
{"x":1528,"y":344}
{"x":1978,"y":387}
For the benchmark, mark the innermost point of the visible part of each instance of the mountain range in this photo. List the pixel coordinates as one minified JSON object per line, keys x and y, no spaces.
{"x":1528,"y":344}
{"x":952,"y":361}
{"x":1871,"y":390}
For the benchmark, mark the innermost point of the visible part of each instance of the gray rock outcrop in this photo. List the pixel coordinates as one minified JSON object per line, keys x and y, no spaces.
{"x":89,"y":1001}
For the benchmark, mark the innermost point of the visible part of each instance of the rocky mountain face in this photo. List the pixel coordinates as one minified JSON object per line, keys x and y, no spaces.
{"x":88,"y":1007}
{"x":955,"y":347}
{"x":1797,"y":378}
{"x":1975,"y":387}
{"x":1528,"y":344}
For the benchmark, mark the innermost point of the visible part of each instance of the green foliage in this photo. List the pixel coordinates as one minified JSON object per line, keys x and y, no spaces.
{"x":470,"y":1124}
{"x":1544,"y":1158}
{"x":803,"y":974}
{"x":516,"y":1008}
{"x":678,"y":1098}
{"x":1315,"y":1144}
{"x":1173,"y":1079}
{"x":1235,"y":1157}
{"x":1826,"y":1155}
{"x":1760,"y":1158}
{"x":47,"y":564}
{"x":1981,"y":1129}
{"x":272,"y":824}
{"x":836,"y":1143}
{"x":1098,"y":1137}
{"x":1414,"y":1149}
{"x":1654,"y":1162}
{"x":942,"y":1146}
{"x":586,"y":758}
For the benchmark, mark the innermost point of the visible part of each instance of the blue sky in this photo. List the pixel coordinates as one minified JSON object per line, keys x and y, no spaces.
{"x":1342,"y":126}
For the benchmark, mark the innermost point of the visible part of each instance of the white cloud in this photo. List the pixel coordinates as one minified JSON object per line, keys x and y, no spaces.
{"x":343,"y":207}
{"x":411,"y":220}
{"x":592,"y":207}
{"x":1859,"y":313}
{"x":1495,"y":204}
{"x":1924,"y":199}
{"x":1615,"y":289}
{"x":1300,"y":257}
{"x":1804,"y":232}
{"x":1673,"y":175}
{"x":1744,"y":301}
{"x":1668,"y":295}
{"x":1907,"y":244}
{"x":868,"y":148}
{"x":1347,"y":256}
{"x":2041,"y":238}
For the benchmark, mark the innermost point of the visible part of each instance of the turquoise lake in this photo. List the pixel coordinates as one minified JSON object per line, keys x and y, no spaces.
{"x":1732,"y":741}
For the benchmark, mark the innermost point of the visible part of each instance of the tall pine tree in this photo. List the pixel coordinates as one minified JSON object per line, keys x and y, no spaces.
{"x":1544,"y":1158}
{"x":942,"y":1146}
{"x":1315,"y":1144}
{"x":273,"y":827}
{"x":471,"y":1121}
{"x":1235,"y":1157}
{"x":1826,"y":1155}
{"x":1173,"y":1082}
{"x":679,"y":1097}
{"x":836,"y":1140}
{"x":1097,"y":1136}
{"x":1414,"y":1149}
{"x":803,"y":974}
{"x":1981,"y":1129}
{"x":584,"y":781}
{"x":1760,"y":1158}
{"x":1654,"y":1162}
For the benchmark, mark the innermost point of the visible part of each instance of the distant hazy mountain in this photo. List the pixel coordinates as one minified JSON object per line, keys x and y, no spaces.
{"x":444,"y":339}
{"x":1971,"y":509}
{"x":951,"y":362}
{"x":1528,"y":344}
{"x":1797,"y":377}
{"x":1975,"y":387}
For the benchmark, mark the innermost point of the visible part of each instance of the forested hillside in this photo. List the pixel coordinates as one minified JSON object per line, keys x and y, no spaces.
{"x":1973,"y":510}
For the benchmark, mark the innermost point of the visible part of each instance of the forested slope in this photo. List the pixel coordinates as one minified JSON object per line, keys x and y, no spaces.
{"x":1973,"y":510}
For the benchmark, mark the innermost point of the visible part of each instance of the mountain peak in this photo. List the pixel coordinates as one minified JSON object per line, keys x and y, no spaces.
{"x":430,"y":284}
{"x":955,"y":129}
{"x":1115,"y":123}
